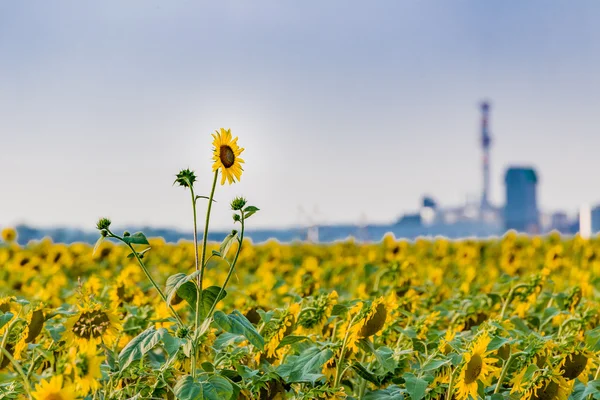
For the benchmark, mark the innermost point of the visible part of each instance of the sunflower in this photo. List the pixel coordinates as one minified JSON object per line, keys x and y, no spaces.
{"x":9,"y":235}
{"x":281,"y":328}
{"x":54,"y":390}
{"x":92,"y":323}
{"x":477,"y":368}
{"x":226,"y":156}
{"x":85,"y":364}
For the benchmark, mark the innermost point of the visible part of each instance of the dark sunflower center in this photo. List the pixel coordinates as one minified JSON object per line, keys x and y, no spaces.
{"x":227,"y":156}
{"x":91,"y":324}
{"x":549,"y":392}
{"x":83,"y":365}
{"x":53,"y":396}
{"x":574,"y":365}
{"x":473,"y":369}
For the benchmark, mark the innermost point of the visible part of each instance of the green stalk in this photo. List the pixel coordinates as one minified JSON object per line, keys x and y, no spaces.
{"x":160,"y":292}
{"x":507,"y":365}
{"x":231,"y":268}
{"x":198,"y":285}
{"x":450,"y":386}
{"x":511,"y":293}
{"x":18,"y":369}
{"x":338,"y":373}
{"x":205,"y":236}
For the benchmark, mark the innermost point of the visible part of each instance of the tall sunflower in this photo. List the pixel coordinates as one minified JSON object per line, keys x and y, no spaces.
{"x":226,"y":156}
{"x":92,"y":323}
{"x":477,"y":368}
{"x":54,"y":390}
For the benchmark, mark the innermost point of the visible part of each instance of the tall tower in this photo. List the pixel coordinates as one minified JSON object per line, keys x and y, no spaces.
{"x":486,"y":141}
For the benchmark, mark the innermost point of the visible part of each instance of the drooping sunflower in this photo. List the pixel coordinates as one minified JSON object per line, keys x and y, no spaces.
{"x":477,"y":368}
{"x":226,"y":156}
{"x":54,"y":390}
{"x":92,"y":323}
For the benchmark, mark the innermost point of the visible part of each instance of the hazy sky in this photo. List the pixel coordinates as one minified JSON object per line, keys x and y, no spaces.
{"x":355,"y":108}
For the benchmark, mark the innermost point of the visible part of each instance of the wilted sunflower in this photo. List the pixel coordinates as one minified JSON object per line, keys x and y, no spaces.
{"x":54,"y":390}
{"x":477,"y":367}
{"x":93,"y":324}
{"x":226,"y":156}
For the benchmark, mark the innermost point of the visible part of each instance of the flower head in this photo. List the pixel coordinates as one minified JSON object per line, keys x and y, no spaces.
{"x":226,"y":156}
{"x":103,"y":223}
{"x":54,"y":390}
{"x":9,"y":235}
{"x":185,"y":178}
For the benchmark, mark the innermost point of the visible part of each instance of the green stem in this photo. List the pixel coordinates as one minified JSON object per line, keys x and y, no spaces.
{"x":450,"y":386}
{"x":338,"y":374}
{"x":363,"y":384}
{"x":231,"y":268}
{"x":205,"y":236}
{"x":34,"y":362}
{"x":198,"y":290}
{"x":596,"y":376}
{"x":507,"y":365}
{"x":564,"y":324}
{"x":18,"y":369}
{"x":511,"y":293}
{"x":160,"y":292}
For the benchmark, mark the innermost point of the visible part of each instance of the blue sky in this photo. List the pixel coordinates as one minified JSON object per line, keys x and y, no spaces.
{"x":352,"y":109}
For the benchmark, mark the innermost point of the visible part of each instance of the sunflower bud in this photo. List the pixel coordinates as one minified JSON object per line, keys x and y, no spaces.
{"x":185,"y":178}
{"x":238,"y":203}
{"x":126,"y":233}
{"x":236,"y":218}
{"x":104,"y":233}
{"x":182,"y":332}
{"x":103,"y":223}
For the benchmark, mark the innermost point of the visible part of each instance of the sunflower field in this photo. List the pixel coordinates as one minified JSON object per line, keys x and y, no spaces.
{"x":132,"y":317}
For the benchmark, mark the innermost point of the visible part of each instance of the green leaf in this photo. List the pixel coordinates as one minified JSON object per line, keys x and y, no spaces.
{"x":216,"y":388}
{"x":209,"y":296}
{"x":5,"y":318}
{"x":249,"y":211}
{"x":176,"y":281}
{"x":238,"y":324}
{"x":432,"y":365}
{"x":390,"y":393}
{"x":187,"y":389}
{"x":306,"y":367}
{"x":497,"y":342}
{"x":216,"y":253}
{"x":139,"y":253}
{"x":582,"y":391}
{"x":365,"y":374}
{"x":415,"y":386}
{"x":385,"y":356}
{"x":140,"y":345}
{"x":213,"y":387}
{"x":136,"y":238}
{"x":187,"y":291}
{"x":227,"y":242}
{"x":291,"y":339}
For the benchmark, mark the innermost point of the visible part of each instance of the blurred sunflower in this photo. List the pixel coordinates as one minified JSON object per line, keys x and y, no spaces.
{"x":9,"y":235}
{"x":226,"y":156}
{"x":477,"y":368}
{"x":85,"y":364}
{"x":54,"y":390}
{"x":92,"y":323}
